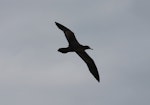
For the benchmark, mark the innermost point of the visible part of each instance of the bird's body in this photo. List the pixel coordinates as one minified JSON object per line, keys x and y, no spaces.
{"x":75,"y":46}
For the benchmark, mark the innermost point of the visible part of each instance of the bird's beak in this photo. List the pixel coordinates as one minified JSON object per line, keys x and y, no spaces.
{"x":91,"y":48}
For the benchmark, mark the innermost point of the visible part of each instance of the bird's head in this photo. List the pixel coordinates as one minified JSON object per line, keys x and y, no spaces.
{"x":87,"y":47}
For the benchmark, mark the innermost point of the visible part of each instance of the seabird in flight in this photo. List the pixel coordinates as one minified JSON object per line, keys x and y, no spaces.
{"x":75,"y":46}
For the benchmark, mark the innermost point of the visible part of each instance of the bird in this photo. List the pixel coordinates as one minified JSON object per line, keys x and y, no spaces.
{"x":75,"y":46}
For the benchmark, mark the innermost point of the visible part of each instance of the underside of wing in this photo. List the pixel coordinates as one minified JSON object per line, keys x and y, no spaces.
{"x":90,"y":63}
{"x":68,"y":33}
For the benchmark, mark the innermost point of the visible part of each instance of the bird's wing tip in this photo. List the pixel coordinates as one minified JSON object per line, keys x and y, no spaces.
{"x":98,"y":80}
{"x":56,"y":23}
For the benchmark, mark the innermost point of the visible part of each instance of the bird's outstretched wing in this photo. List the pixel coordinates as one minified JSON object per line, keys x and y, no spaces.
{"x":90,"y":63}
{"x":68,"y":33}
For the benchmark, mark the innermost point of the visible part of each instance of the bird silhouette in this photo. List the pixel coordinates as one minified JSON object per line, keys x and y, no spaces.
{"x":75,"y":46}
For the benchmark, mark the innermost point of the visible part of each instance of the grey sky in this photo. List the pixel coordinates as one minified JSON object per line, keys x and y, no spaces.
{"x":32,"y":72}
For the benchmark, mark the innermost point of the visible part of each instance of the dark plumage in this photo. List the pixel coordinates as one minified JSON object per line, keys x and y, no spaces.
{"x":75,"y":46}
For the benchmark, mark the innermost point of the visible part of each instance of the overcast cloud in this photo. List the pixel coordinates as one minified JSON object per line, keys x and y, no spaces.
{"x":32,"y":72}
